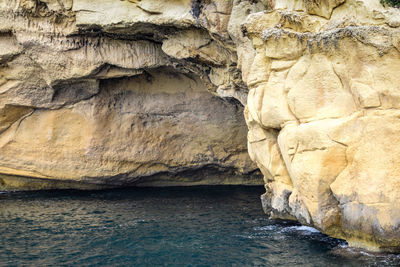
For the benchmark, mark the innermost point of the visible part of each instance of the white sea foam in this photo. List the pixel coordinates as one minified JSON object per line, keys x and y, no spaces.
{"x":302,"y":228}
{"x":266,"y":228}
{"x":247,"y":236}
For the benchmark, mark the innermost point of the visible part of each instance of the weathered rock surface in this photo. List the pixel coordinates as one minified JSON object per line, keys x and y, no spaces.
{"x":108,"y":93}
{"x":96,"y":95}
{"x":323,"y":117}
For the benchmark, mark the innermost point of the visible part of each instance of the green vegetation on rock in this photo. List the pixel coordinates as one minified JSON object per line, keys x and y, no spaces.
{"x":394,"y":3}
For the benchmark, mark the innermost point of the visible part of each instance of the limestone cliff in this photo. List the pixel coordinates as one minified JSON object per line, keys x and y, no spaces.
{"x":142,"y":92}
{"x":323,"y":115}
{"x":96,"y":95}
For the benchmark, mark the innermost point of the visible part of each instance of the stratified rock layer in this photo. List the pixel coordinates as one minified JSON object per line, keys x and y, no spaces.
{"x":111,"y":93}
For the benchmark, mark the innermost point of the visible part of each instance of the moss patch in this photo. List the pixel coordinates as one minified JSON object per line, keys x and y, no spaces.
{"x":393,"y":3}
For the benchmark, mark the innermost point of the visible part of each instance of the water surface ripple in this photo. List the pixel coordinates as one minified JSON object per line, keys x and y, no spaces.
{"x":200,"y":226}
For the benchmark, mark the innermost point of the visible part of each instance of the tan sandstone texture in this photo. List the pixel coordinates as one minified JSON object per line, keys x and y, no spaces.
{"x":103,"y":93}
{"x":93,"y":94}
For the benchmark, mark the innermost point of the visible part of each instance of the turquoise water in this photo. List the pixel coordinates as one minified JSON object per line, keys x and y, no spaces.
{"x":201,"y":226}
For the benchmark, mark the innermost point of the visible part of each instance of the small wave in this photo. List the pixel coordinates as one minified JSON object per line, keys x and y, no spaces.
{"x":246,"y":236}
{"x":378,"y":258}
{"x":266,"y":228}
{"x":302,"y":228}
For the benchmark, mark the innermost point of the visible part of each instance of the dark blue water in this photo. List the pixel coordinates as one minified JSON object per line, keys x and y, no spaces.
{"x":203,"y":226}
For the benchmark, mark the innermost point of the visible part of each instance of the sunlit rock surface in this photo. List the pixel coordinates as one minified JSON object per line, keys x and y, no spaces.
{"x":323,"y":116}
{"x":111,"y":93}
{"x":117,"y":93}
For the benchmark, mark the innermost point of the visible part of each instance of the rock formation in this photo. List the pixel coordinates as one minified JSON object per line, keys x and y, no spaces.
{"x":323,"y":117}
{"x":96,"y":95}
{"x":151,"y":92}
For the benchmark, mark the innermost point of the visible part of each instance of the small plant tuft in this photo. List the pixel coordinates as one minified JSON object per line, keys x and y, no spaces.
{"x":393,"y":3}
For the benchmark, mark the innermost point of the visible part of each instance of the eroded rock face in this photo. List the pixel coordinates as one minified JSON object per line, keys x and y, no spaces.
{"x":155,"y":129}
{"x":322,"y":116}
{"x":115,"y":93}
{"x":97,"y":95}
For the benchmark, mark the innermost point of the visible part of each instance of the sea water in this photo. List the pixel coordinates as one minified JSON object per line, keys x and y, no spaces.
{"x":191,"y":226}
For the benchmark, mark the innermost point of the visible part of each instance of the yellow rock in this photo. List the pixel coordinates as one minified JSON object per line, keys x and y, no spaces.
{"x":158,"y":123}
{"x":330,"y":96}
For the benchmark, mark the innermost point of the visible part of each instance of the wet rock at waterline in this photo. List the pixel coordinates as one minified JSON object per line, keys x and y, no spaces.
{"x":113,"y":93}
